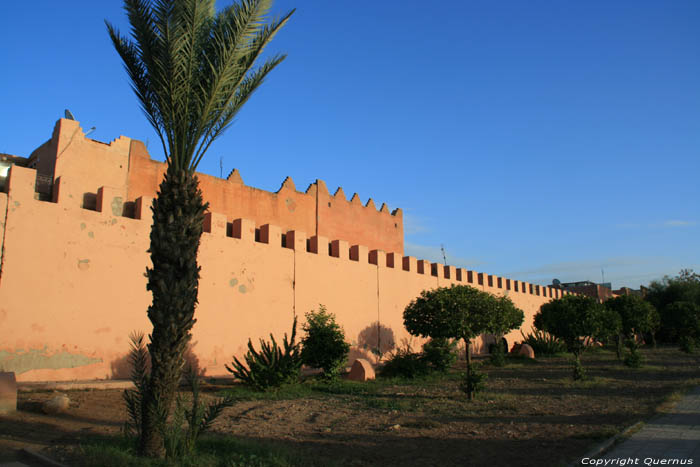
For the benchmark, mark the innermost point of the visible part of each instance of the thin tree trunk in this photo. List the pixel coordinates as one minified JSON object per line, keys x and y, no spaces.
{"x":178,"y":215}
{"x":467,"y":347}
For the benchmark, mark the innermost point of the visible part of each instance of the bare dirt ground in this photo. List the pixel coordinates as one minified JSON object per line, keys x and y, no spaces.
{"x":530,"y":414}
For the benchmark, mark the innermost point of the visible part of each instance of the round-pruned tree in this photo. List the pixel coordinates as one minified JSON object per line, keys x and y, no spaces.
{"x":460,"y":312}
{"x":575,"y":319}
{"x":192,"y":69}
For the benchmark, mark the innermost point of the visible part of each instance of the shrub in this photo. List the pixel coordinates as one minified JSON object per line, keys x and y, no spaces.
{"x":473,"y":381}
{"x":686,"y":344}
{"x":579,"y":372}
{"x":543,"y":343}
{"x":272,"y":366}
{"x":178,"y":441}
{"x":498,"y":355}
{"x":634,"y":359}
{"x":440,"y":353}
{"x":405,"y":363}
{"x":324,"y":344}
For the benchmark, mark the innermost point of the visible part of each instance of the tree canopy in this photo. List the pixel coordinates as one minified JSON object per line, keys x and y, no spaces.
{"x":677,"y":300}
{"x":574,"y":318}
{"x":637,"y":316}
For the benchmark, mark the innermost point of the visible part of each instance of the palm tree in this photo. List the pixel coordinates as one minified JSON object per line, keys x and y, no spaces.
{"x":192,"y":69}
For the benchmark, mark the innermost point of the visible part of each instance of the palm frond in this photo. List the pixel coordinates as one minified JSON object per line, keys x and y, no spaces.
{"x":191,"y":67}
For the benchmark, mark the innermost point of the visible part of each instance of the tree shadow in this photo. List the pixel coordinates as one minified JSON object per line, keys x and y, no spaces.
{"x":376,"y":338}
{"x":121,"y":367}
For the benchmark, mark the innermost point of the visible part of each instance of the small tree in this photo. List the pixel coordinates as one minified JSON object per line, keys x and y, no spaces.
{"x":573,"y":319}
{"x":505,"y":317}
{"x":636,"y":317}
{"x":458,"y":312}
{"x":324,"y":345}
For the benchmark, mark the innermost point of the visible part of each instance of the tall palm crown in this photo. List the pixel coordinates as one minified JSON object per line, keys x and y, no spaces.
{"x":190,"y":67}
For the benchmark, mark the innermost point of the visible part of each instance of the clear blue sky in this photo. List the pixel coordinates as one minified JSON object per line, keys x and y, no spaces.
{"x":533,"y":139}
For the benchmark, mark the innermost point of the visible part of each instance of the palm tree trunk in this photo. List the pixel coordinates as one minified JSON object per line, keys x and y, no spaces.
{"x":178,"y":215}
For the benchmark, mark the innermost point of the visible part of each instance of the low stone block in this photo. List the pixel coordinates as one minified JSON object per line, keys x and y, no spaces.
{"x":361,"y":370}
{"x":8,"y":392}
{"x":57,"y":404}
{"x":526,"y":351}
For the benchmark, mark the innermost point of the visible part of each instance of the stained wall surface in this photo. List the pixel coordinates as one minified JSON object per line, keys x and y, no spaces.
{"x":72,"y":285}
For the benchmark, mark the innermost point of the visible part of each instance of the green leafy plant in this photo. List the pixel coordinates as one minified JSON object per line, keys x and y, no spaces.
{"x":686,"y":344}
{"x":634,"y":359}
{"x":440,"y":353}
{"x":272,"y":366}
{"x":498,"y":355}
{"x":685,"y":317}
{"x":403,"y":362}
{"x":324,"y":344}
{"x":677,"y":299}
{"x":579,"y":372}
{"x":637,"y":317}
{"x":138,"y":360}
{"x":181,"y":440}
{"x":473,"y":381}
{"x":178,"y":441}
{"x":576,"y":319}
{"x":543,"y":343}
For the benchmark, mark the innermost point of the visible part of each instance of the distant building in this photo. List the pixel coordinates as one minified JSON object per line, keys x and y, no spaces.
{"x":627,"y":291}
{"x":600,"y":292}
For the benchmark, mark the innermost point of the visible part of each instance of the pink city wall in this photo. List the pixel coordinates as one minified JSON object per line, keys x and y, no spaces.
{"x":72,"y":285}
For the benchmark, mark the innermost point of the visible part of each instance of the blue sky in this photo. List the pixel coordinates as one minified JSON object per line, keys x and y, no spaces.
{"x":533,"y":139}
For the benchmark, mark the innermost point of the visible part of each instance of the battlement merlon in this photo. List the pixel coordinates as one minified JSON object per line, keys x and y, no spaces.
{"x":126,"y":166}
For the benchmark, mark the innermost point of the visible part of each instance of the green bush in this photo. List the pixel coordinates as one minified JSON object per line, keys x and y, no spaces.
{"x":543,"y":343}
{"x":440,"y":353}
{"x":272,"y":366}
{"x":579,"y":372}
{"x":686,"y":344}
{"x":179,"y":441}
{"x":498,"y":355}
{"x":405,"y":363}
{"x":634,"y":359}
{"x":324,"y":344}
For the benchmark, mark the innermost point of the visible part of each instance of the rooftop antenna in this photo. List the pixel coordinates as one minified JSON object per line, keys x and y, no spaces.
{"x":69,"y":115}
{"x":221,"y":167}
{"x":602,"y":273}
{"x":444,"y":258}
